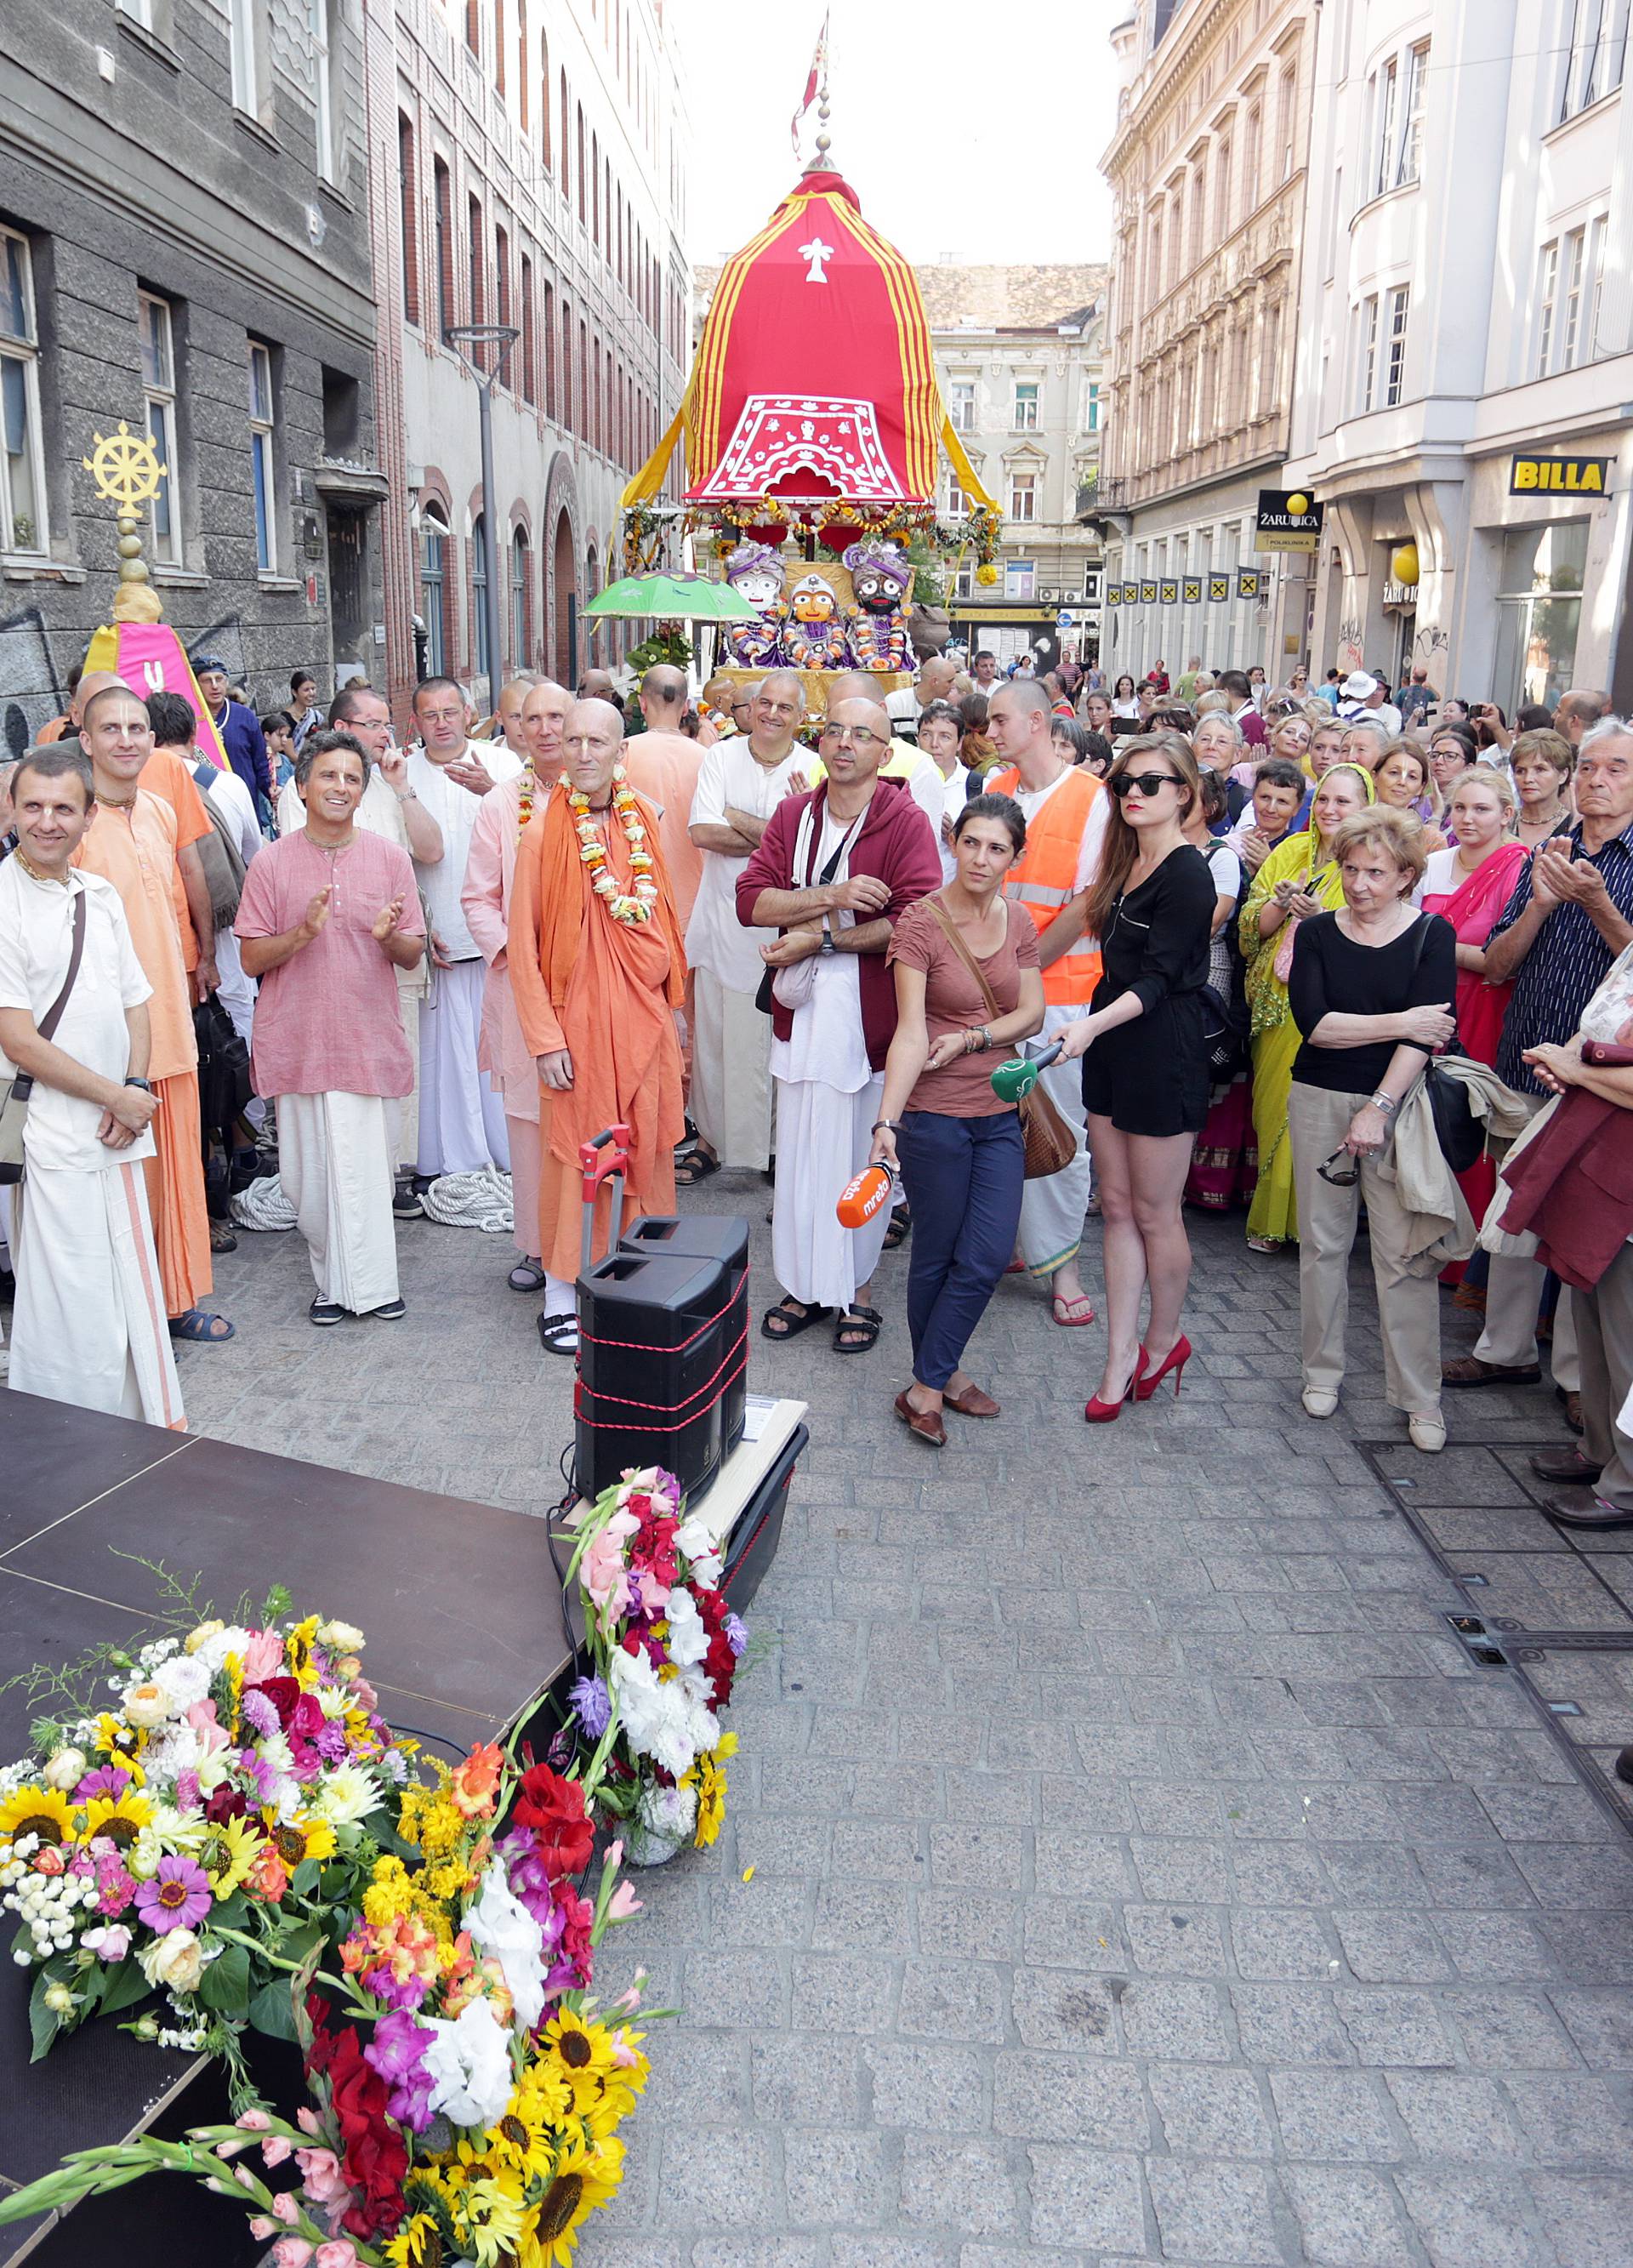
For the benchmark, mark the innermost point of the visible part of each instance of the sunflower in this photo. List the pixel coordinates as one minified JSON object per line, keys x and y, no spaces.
{"x":520,"y":2145}
{"x":584,"y":2179}
{"x":113,"y":1737}
{"x":296,"y":1839}
{"x":228,"y":1852}
{"x":709,"y":1781}
{"x":298,"y":1652}
{"x":42,"y":1811}
{"x":418,"y":2243}
{"x":119,"y":1818}
{"x":494,"y":2216}
{"x":581,"y":2054}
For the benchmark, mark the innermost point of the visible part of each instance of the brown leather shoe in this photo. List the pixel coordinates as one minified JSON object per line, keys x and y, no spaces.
{"x":972,"y":1403}
{"x":1583,"y":1509}
{"x":1568,"y":1465}
{"x":1469,"y":1370}
{"x":925,"y":1422}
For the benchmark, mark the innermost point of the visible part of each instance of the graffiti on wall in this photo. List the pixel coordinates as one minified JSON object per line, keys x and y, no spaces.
{"x":1351,"y":646}
{"x":29,"y":683}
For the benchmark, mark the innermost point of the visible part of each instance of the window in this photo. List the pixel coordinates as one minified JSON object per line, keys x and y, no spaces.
{"x":1023,"y":496}
{"x":1596,"y":283}
{"x":1250,"y":161}
{"x":323,"y":96}
{"x":22,"y":469}
{"x":1570,"y":304}
{"x":530,"y":342}
{"x":1091,"y":584}
{"x":1222,"y":190}
{"x":1271,"y":362}
{"x":1409,"y":163}
{"x":241,"y":52}
{"x":1021,"y":578}
{"x":433,"y":550}
{"x":261,"y":438}
{"x":479,"y":595}
{"x":1596,"y":56}
{"x":1538,"y":613}
{"x":1547,"y":294}
{"x":1383,"y":114}
{"x":502,"y":271}
{"x":1090,"y":422}
{"x":957,"y":502}
{"x":407,"y":218}
{"x":158,"y":385}
{"x":1366,"y":365}
{"x":961,"y":405}
{"x":1394,"y":364}
{"x":1286,"y":91}
{"x":544,"y":151}
{"x":964,"y":584}
{"x":140,"y":11}
{"x":551,"y":407}
{"x":478,"y":301}
{"x":519,"y":600}
{"x":1025,"y":416}
{"x":1153,"y":286}
{"x":444,"y":249}
{"x":473,"y":25}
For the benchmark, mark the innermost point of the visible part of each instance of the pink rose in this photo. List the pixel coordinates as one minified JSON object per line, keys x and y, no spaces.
{"x":211,"y":1736}
{"x":263,"y":1658}
{"x":321,"y":2176}
{"x":291,"y":2252}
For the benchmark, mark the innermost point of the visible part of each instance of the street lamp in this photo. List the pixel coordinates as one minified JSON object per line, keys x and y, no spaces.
{"x":501,"y":337}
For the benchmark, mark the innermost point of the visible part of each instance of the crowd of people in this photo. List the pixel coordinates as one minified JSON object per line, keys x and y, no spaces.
{"x":1270,"y":949}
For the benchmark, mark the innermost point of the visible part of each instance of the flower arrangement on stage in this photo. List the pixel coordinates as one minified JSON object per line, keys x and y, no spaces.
{"x":640,"y":902}
{"x":664,"y":1652}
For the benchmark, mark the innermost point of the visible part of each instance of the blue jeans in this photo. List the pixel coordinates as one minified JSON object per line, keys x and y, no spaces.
{"x":964,"y":1178}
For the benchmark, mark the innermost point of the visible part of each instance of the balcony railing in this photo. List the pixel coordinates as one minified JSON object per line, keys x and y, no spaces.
{"x":1101,"y":495}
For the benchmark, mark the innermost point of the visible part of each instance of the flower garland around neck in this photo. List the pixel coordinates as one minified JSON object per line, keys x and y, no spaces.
{"x":529,"y":788}
{"x":641,"y":902}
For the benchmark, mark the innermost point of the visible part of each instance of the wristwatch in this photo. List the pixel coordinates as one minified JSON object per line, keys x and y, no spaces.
{"x":142,"y":1083}
{"x":407,"y":796}
{"x":827,"y":944}
{"x":1387,"y":1103}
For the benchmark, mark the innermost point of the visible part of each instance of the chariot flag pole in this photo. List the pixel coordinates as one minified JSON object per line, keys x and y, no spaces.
{"x":814,"y":78}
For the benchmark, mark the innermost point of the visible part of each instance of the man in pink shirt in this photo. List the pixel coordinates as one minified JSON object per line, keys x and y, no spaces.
{"x":327,"y":917}
{"x":662,"y":764}
{"x":501,"y":1053}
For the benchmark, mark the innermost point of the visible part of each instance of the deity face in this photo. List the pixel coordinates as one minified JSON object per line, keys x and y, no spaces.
{"x":762,"y":586}
{"x":877,"y":593}
{"x":813,"y":606}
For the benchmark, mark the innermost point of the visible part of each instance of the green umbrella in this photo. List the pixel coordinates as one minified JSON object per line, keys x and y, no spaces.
{"x":674,"y":598}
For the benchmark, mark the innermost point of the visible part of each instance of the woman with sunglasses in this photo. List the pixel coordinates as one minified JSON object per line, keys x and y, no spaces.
{"x":1145,"y":1058}
{"x":1297,"y":881}
{"x":1371,"y":993}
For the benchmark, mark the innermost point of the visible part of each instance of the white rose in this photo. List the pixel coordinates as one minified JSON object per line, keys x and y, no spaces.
{"x":65,"y":1770}
{"x":173,"y":1963}
{"x":340,"y":1637}
{"x":224,"y":1639}
{"x":501,"y":1925}
{"x":469,"y":2064}
{"x":146,"y":1706}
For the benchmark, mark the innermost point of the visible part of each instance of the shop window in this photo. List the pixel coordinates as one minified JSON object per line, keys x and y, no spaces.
{"x":1538,"y":612}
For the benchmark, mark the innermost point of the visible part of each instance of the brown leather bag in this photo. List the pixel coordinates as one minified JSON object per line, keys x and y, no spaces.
{"x":1051,"y":1141}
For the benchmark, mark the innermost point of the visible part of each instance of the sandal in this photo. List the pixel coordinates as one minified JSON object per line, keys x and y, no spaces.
{"x":696,"y":1169}
{"x":857,"y":1330}
{"x":1064,"y":1311}
{"x":1268,"y":1244}
{"x":199,"y":1329}
{"x":559,"y":1334}
{"x":901,"y":1225}
{"x":526,"y":1276}
{"x":785,"y":1322}
{"x":221,"y":1237}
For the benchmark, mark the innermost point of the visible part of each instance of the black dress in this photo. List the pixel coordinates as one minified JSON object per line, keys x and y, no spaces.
{"x":1151,"y":1076}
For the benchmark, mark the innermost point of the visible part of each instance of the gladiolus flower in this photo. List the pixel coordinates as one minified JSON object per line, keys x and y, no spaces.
{"x":291,"y":2252}
{"x":321,"y":2176}
{"x":287,"y":2207}
{"x":624,"y":1902}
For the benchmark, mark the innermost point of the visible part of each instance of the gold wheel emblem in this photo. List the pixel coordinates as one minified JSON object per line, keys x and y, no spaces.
{"x":125,"y":467}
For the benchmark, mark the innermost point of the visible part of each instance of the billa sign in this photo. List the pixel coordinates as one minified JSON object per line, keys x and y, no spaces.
{"x":1287,"y":520}
{"x":1558,"y":475}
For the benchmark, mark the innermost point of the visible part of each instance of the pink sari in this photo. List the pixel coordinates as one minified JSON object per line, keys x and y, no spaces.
{"x":1474,"y":909}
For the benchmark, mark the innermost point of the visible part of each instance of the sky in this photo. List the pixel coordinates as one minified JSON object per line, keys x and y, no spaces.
{"x":961,"y":140}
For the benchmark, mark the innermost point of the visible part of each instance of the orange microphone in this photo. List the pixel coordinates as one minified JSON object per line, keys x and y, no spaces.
{"x":860,"y":1198}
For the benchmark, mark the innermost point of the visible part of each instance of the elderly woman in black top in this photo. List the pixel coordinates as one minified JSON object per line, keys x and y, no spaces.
{"x":1372,"y":990}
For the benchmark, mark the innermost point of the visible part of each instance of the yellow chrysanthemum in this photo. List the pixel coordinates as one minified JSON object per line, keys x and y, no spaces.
{"x":585,"y":2177}
{"x":34,"y":1810}
{"x":493,"y":2215}
{"x":119,"y":1818}
{"x":228,"y":1852}
{"x":582,"y":2054}
{"x":543,"y":2099}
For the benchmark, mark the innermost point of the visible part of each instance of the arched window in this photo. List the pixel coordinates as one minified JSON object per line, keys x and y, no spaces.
{"x":433,"y":594}
{"x":564,"y":173}
{"x":544,"y":103}
{"x":583,"y":195}
{"x":519,"y":641}
{"x":479,"y":596}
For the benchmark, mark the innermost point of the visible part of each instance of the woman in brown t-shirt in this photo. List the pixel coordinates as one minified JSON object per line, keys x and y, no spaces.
{"x":958,"y":1148}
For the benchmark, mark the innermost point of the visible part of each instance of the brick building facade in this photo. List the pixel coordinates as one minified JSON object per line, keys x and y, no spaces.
{"x":184,"y":244}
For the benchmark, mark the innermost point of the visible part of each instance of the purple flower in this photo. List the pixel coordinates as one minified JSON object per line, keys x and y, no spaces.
{"x":592,"y":1705}
{"x":258,"y":1712}
{"x":525,"y":1872}
{"x":736,"y":1634}
{"x":114,"y":1887}
{"x":397,"y":2053}
{"x":330,"y":1743}
{"x":188,"y":1795}
{"x":107,"y":1780}
{"x":255,"y":1767}
{"x":178,"y":1896}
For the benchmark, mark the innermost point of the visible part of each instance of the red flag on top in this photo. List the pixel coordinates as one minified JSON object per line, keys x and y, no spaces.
{"x":813,"y":79}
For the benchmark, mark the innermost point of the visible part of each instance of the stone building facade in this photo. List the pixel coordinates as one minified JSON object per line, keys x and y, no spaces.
{"x":528,"y":171}
{"x":184,"y":246}
{"x":1207,"y":170}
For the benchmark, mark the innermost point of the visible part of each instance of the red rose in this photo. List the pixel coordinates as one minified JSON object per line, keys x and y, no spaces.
{"x":374,"y":2157}
{"x":283,"y":1692}
{"x":554,"y":1810}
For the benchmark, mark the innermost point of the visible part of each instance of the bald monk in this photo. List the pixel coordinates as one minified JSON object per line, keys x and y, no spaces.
{"x":502,"y":1054}
{"x":594,"y":995}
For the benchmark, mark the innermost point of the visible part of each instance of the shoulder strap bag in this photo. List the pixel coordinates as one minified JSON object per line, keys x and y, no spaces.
{"x":1460,"y":1134}
{"x":1051,"y":1141}
{"x":14,"y":1093}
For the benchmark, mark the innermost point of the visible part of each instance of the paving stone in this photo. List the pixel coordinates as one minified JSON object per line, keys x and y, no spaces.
{"x":1511,"y":2031}
{"x":951,"y":2000}
{"x":1455,"y":2115}
{"x":716,"y":2173}
{"x":1332,"y":2114}
{"x":1213,"y":2210}
{"x":837,"y":2179}
{"x":1288,"y":2024}
{"x":1173,"y":2022}
{"x":940,"y":2089}
{"x":1280,"y":1945}
{"x":1175,"y":1940}
{"x":1212,"y":2112}
{"x":1393,"y":2027}
{"x":1066,"y":2099}
{"x":1572,"y":2121}
{"x":1588,"y":2218}
{"x":1465,"y":2217}
{"x":966,"y":2185}
{"x":1056,"y":2009}
{"x":1391,"y":1948}
{"x":1086,"y":2196}
{"x":1348,"y":2218}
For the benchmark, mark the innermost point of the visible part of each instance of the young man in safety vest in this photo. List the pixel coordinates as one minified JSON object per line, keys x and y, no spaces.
{"x":1066,"y":809}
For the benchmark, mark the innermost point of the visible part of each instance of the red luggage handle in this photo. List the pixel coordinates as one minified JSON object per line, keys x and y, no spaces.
{"x":605,"y":1158}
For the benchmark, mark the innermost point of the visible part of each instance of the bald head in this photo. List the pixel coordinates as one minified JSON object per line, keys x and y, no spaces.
{"x":596,"y":685}
{"x":94,"y":681}
{"x":936,"y":679}
{"x":591,"y":749}
{"x":855,"y":741}
{"x":1018,"y":724}
{"x":544,"y":722}
{"x":663,"y":697}
{"x":512,"y":698}
{"x":851,"y":685}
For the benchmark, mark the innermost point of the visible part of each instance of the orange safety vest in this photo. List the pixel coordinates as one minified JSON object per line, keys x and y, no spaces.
{"x":1045,"y":877}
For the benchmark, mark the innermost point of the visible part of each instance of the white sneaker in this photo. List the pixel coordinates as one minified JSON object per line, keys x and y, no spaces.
{"x":1319,"y":1401}
{"x":1427,"y":1428}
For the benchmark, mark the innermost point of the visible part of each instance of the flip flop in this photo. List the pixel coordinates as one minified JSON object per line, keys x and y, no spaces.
{"x":793,"y":1324}
{"x":899,"y":1228}
{"x":1068,"y":1321}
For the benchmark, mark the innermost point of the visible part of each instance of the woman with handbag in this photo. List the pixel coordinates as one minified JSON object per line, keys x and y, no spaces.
{"x":1296,"y":882}
{"x":1371,"y":997}
{"x":1145,"y":1058}
{"x":968,"y":981}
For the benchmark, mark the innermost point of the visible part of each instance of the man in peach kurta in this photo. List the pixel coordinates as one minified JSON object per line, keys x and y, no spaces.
{"x":132,"y":843}
{"x":501,"y":1053}
{"x":594,"y":995}
{"x":662,"y":764}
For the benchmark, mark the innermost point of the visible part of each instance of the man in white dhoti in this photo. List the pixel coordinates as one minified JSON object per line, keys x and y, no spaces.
{"x":327,"y":918}
{"x":739,"y":785}
{"x":88,"y":1324}
{"x":834,"y":870}
{"x":462,"y":1118}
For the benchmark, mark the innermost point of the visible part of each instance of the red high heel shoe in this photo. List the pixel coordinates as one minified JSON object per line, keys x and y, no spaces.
{"x":1178,"y":1355}
{"x":1097,"y":1412}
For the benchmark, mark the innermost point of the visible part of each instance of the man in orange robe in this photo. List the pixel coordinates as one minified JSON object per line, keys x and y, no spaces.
{"x":596,"y":984}
{"x":132,"y":843}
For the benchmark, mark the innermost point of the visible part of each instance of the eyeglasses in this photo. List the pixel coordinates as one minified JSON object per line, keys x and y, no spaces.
{"x":862,"y":735}
{"x":1147,"y":782}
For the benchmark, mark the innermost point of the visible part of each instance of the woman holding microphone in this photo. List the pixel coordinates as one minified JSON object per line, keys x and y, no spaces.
{"x":968,"y":982}
{"x":1145,"y":1068}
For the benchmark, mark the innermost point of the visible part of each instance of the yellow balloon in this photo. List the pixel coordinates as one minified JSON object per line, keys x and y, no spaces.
{"x":1298,"y":504}
{"x":1403,"y":564}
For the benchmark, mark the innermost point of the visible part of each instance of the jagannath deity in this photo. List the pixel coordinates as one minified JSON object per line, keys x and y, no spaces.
{"x":880,"y":576}
{"x":755,"y":573}
{"x":816,"y":636}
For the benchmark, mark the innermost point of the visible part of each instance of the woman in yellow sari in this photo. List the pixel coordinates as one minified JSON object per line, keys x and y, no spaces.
{"x":1296,"y":881}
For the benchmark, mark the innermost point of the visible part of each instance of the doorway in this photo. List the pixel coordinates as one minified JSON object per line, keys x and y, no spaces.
{"x":564,"y":600}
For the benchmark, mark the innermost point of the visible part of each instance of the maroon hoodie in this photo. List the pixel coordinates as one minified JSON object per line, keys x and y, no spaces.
{"x":897,"y":844}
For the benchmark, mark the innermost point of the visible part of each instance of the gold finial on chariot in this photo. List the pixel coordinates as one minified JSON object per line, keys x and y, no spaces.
{"x":127,"y":471}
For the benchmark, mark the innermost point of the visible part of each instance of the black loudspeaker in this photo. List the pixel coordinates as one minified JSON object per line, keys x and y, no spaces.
{"x":655,"y":1358}
{"x":709,"y":1236}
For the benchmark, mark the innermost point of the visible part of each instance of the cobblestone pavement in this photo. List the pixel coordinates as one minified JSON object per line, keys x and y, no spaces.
{"x":1143,"y":1871}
